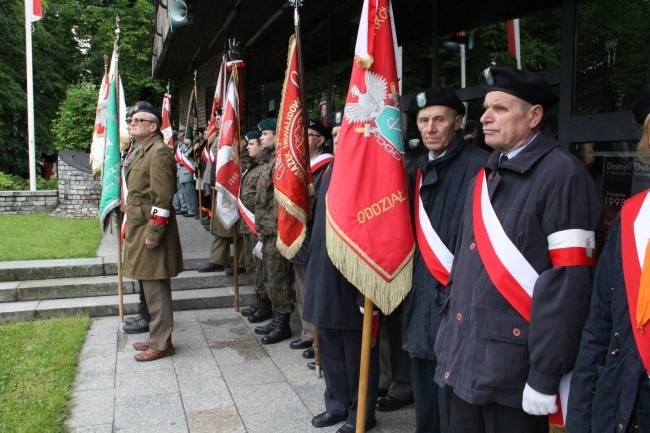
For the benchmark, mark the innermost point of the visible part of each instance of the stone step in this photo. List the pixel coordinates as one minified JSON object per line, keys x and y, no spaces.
{"x":72,"y":268}
{"x":96,"y":306}
{"x":76,"y":287}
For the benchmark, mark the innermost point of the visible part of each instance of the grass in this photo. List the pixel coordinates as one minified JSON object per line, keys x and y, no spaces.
{"x":38,"y":362}
{"x":40,"y":236}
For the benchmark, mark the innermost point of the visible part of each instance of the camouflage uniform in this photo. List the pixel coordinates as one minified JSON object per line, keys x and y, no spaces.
{"x":276,"y":268}
{"x":247,"y":196}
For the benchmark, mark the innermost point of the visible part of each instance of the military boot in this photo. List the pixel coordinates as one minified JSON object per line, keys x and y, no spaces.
{"x":263,"y":312}
{"x":140,"y":323}
{"x":248,"y":311}
{"x":265,"y":329}
{"x":281,"y":332}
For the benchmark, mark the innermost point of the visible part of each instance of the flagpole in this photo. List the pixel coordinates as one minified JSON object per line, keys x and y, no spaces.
{"x":30,"y":96}
{"x":118,"y":213}
{"x":366,"y":344}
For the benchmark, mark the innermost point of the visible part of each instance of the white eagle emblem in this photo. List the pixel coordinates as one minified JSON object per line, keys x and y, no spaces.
{"x":370,"y":103}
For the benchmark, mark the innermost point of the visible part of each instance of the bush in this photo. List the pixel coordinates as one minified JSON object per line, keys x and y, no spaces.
{"x":11,"y":182}
{"x":75,"y":121}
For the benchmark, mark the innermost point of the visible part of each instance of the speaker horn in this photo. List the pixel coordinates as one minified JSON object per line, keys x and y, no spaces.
{"x":179,"y":15}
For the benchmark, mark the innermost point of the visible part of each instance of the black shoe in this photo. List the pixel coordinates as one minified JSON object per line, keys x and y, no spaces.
{"x":349,"y":428}
{"x":300,"y":344}
{"x":183,"y":212}
{"x":207,"y":228}
{"x":277,"y":335}
{"x":248,"y":311}
{"x":327,"y":419}
{"x":136,"y":327}
{"x":265,"y":329}
{"x":389,"y":404}
{"x":211,"y":267}
{"x":205,"y":222}
{"x":308,"y":353}
{"x":188,"y":215}
{"x":264,"y":312}
{"x":131,"y":319}
{"x":381,"y":392}
{"x":231,"y":271}
{"x":311,"y":365}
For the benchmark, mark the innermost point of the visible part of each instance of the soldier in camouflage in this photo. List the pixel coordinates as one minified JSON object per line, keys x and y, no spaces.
{"x":276,"y":268}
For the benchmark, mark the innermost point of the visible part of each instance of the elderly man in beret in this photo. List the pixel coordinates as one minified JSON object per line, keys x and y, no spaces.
{"x":152,"y":248}
{"x":610,"y":388}
{"x":438,"y":181}
{"x":518,"y":293}
{"x":276,"y":268}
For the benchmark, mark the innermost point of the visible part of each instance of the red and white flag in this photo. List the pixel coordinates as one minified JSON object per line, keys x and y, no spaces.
{"x":369,"y":233}
{"x":219,"y":91}
{"x":99,"y":134}
{"x":166,"y":126}
{"x":514,"y":46}
{"x":36,"y":10}
{"x":292,"y":179}
{"x":228,"y":174}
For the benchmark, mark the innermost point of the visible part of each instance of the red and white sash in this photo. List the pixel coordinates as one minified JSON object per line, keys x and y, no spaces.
{"x":319,"y":161}
{"x":435,"y":253}
{"x":182,"y":159}
{"x":246,"y":214}
{"x":635,"y":232}
{"x":511,"y":273}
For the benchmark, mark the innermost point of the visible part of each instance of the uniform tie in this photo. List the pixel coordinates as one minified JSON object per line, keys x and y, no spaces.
{"x":503,"y":158}
{"x":643,"y":301}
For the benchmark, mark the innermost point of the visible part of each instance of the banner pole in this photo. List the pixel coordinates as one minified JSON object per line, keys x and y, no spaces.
{"x":366,"y":341}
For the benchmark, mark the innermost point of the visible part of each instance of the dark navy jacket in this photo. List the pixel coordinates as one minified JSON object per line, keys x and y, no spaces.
{"x":608,"y":370}
{"x":485,"y":350}
{"x":444,"y":185}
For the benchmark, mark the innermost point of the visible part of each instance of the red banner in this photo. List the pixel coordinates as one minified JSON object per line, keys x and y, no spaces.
{"x":166,"y":126}
{"x":228,"y":174}
{"x":217,"y":101}
{"x":292,"y":179}
{"x":369,"y":233}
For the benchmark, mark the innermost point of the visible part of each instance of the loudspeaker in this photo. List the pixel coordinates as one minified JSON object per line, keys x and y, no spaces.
{"x":179,"y":15}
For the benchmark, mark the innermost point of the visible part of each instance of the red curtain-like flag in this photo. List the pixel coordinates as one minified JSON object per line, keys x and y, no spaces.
{"x":228,"y":174}
{"x":369,"y":233}
{"x":292,"y":180}
{"x":166,"y":126}
{"x":514,"y":45}
{"x":217,"y":102}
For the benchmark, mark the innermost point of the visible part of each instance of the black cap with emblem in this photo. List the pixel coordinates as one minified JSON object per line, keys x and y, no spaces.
{"x":436,"y":96}
{"x":524,"y":85}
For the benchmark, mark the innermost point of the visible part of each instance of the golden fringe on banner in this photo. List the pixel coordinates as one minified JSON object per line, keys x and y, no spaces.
{"x":288,"y":251}
{"x":387,"y":295}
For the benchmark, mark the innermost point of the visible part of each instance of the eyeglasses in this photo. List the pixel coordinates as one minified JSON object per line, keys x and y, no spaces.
{"x":139,"y":120}
{"x":314,"y":135}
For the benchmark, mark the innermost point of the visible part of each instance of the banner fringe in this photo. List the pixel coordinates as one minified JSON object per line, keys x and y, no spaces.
{"x":387,"y":295}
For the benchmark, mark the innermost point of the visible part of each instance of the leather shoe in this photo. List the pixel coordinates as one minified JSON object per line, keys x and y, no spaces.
{"x":349,"y":428}
{"x":188,"y":215}
{"x":211,"y":267}
{"x":312,"y":365}
{"x":137,"y":326}
{"x":142,"y":345}
{"x":308,"y":353}
{"x":389,"y":404}
{"x":153,"y":354}
{"x":300,"y":344}
{"x":327,"y":419}
{"x":381,"y":392}
{"x":231,"y":271}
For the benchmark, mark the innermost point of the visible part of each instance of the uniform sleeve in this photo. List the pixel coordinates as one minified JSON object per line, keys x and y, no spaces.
{"x":595,"y":337}
{"x":562,"y":293}
{"x":162,"y":173}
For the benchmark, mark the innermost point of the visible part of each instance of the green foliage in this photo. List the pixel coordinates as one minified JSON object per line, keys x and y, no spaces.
{"x":37,"y":370}
{"x":73,"y":127}
{"x":53,"y":241}
{"x":11,"y":182}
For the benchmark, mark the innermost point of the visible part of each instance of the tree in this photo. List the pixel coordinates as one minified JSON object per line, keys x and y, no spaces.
{"x":71,"y":128}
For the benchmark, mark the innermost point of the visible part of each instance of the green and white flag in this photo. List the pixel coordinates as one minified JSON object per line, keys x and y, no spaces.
{"x":111,"y":168}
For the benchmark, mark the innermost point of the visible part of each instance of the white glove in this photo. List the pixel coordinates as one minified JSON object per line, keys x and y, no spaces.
{"x":363,"y":310}
{"x":536,"y":403}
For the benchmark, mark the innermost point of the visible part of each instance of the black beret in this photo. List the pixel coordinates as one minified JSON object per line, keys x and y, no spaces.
{"x":250,"y":135}
{"x":641,"y":105}
{"x":524,"y":85}
{"x":436,"y":96}
{"x":268,"y":124}
{"x":318,"y":126}
{"x":147,"y":108}
{"x":335,"y":118}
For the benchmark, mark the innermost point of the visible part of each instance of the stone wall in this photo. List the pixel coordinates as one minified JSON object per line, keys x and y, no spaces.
{"x":78,"y":193}
{"x":26,"y":202}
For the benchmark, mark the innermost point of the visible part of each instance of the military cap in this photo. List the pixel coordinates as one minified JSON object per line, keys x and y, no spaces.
{"x":524,"y":85}
{"x":181,"y":128}
{"x":250,"y":135}
{"x":132,"y":108}
{"x":147,"y":108}
{"x":268,"y":124}
{"x":436,"y":96}
{"x":641,"y":105}
{"x":318,"y":126}
{"x":335,"y":118}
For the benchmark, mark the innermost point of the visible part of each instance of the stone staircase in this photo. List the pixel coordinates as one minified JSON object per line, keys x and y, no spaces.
{"x":48,"y":288}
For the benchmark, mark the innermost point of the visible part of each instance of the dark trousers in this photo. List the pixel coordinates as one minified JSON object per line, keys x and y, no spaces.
{"x":641,"y":414}
{"x":394,"y":363}
{"x":431,"y":401}
{"x":340,"y":357}
{"x":492,"y":418}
